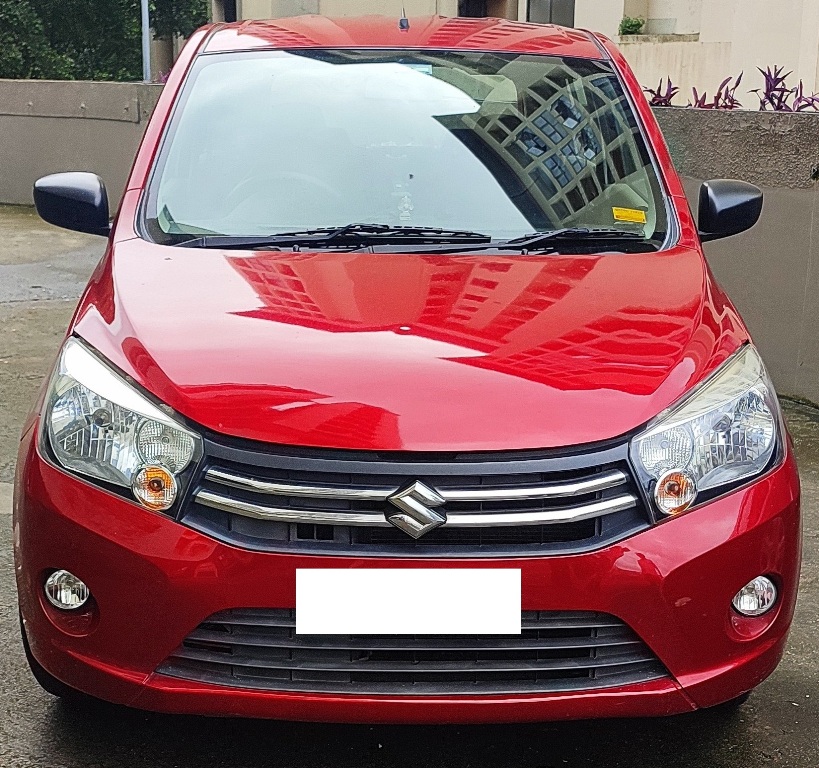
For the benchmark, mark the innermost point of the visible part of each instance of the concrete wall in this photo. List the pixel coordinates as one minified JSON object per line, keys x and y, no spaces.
{"x":689,"y":62}
{"x":772,"y":272}
{"x":62,"y":126}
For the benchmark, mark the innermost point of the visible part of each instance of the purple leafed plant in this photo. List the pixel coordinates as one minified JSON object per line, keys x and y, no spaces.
{"x":725,"y":97}
{"x":726,"y":94}
{"x":775,"y":95}
{"x":660,"y":97}
{"x":802,"y":103}
{"x":700,"y":101}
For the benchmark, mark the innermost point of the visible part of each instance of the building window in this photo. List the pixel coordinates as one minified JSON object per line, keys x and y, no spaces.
{"x":552,"y":12}
{"x":501,"y":9}
{"x":224,"y":10}
{"x":475,"y":8}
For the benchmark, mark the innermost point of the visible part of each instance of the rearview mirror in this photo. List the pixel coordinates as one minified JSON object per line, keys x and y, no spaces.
{"x":727,"y":207}
{"x":76,"y":201}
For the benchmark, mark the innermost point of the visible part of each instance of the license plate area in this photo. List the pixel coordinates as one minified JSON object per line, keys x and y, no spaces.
{"x":408,"y":601}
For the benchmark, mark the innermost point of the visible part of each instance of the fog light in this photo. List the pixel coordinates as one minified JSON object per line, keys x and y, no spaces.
{"x":756,"y":597}
{"x":65,"y":591}
{"x":154,"y":487}
{"x":675,"y":492}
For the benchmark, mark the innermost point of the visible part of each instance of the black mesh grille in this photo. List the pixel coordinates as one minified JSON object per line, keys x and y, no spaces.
{"x":487,"y":537}
{"x":556,"y":651}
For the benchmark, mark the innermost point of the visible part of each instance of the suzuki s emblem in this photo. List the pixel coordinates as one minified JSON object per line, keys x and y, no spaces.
{"x":417,"y":515}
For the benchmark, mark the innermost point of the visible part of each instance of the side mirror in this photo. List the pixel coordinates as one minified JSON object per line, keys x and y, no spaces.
{"x":727,"y":207}
{"x":76,"y":201}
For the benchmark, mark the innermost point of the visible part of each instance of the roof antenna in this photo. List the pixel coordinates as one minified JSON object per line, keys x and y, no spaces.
{"x":404,"y":24}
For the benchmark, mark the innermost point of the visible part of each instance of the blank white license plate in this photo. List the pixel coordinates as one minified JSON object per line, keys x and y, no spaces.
{"x":407,"y":601}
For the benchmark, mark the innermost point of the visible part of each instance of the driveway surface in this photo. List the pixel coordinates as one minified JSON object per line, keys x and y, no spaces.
{"x":42,"y":272}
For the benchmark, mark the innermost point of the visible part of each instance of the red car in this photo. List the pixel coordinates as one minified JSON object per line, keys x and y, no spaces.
{"x":404,"y":393}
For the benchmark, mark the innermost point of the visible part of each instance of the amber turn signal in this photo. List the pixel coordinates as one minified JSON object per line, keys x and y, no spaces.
{"x":154,"y":487}
{"x":675,"y":492}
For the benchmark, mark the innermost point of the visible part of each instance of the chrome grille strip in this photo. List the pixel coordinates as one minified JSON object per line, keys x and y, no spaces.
{"x":594,"y":484}
{"x":454,"y":519}
{"x":290,"y":489}
{"x":571,"y":514}
{"x":280,"y":515}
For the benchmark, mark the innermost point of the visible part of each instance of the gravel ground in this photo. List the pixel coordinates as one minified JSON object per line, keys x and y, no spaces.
{"x":42,"y":273}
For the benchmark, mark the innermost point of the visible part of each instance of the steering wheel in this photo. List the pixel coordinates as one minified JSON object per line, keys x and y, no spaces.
{"x":298,"y":186}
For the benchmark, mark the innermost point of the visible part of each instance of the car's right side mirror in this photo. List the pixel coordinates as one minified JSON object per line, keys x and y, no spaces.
{"x":727,"y":207}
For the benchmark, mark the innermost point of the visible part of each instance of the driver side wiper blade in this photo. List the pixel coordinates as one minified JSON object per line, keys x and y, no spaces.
{"x":570,"y":234}
{"x":348,"y":235}
{"x":543,"y":241}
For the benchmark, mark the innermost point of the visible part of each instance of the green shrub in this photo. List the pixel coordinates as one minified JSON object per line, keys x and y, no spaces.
{"x":178,"y":17}
{"x":631,"y":26}
{"x":25,"y":51}
{"x":86,"y":39}
{"x":101,"y":37}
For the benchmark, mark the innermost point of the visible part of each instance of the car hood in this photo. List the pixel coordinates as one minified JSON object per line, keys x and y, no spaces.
{"x":410,"y":352}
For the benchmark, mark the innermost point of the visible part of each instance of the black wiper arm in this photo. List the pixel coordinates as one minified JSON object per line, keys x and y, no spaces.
{"x":537,"y":241}
{"x":350,"y":234}
{"x":433,"y":234}
{"x":568,"y":234}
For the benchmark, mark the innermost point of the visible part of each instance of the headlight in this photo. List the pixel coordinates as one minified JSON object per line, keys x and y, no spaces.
{"x":723,"y":432}
{"x":100,"y":426}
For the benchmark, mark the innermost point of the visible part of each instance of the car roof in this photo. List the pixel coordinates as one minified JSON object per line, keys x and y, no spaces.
{"x":434,"y":32}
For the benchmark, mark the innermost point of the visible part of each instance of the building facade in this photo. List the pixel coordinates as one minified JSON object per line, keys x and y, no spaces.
{"x":698,"y":43}
{"x":543,"y":11}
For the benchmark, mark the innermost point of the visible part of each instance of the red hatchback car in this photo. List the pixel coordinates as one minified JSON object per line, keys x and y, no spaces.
{"x":403,"y":393}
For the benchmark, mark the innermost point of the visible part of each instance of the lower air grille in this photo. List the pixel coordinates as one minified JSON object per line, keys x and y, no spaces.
{"x":556,"y":651}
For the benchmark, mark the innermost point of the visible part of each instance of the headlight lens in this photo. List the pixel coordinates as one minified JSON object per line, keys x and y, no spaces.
{"x":98,"y":425}
{"x":724,"y":432}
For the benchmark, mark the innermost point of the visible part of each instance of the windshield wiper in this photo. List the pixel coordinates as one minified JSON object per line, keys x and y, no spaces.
{"x":568,"y":234}
{"x":542,"y":241}
{"x":348,"y":235}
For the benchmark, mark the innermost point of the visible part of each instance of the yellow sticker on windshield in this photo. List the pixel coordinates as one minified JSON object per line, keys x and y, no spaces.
{"x":634,"y":215}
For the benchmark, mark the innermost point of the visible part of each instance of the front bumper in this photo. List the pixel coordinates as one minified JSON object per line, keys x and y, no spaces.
{"x":155,"y":580}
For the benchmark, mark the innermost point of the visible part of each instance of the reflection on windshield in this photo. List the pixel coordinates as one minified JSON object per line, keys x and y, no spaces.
{"x":504,"y":144}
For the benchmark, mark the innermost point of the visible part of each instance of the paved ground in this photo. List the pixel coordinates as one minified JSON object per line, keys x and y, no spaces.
{"x":42,"y":272}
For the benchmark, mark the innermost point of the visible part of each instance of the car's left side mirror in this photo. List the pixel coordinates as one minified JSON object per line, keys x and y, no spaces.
{"x":727,"y":207}
{"x":76,"y":201}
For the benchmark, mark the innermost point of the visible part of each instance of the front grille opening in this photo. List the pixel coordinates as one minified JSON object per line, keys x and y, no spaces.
{"x":556,"y":651}
{"x":481,"y":537}
{"x":310,"y":532}
{"x":256,"y":474}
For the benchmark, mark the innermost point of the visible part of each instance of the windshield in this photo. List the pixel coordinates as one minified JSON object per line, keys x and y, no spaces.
{"x":504,"y":145}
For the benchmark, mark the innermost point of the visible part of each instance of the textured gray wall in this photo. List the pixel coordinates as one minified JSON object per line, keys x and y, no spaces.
{"x":48,"y":126}
{"x":771,"y":272}
{"x":770,"y":149}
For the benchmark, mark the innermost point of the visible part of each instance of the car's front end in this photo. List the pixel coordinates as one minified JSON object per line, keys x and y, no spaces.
{"x":235,"y":406}
{"x":621,"y":617}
